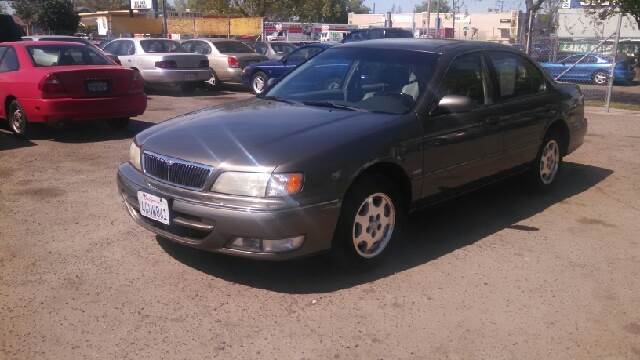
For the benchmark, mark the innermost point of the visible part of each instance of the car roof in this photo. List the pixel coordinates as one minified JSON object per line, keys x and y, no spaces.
{"x":215,"y":39}
{"x":428,"y":45}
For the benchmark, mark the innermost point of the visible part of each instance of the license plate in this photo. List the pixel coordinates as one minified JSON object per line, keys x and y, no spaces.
{"x":97,"y":86}
{"x":154,"y":207}
{"x":189,"y":77}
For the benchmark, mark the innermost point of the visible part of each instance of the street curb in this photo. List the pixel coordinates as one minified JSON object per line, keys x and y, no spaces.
{"x":602,"y":111}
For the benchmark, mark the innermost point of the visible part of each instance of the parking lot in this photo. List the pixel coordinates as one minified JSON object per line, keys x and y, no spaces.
{"x":498,"y":274}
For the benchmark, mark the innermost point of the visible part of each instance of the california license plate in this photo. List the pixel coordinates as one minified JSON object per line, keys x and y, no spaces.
{"x":189,"y":77}
{"x":97,"y":86}
{"x":154,"y":207}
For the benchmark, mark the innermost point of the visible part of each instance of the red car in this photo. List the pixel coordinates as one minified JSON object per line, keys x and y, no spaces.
{"x":52,"y":81}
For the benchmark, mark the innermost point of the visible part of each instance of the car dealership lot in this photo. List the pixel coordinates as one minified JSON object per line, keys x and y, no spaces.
{"x":501,"y":273}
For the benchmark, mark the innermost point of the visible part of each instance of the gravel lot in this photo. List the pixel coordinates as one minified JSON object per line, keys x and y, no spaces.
{"x":498,"y":274}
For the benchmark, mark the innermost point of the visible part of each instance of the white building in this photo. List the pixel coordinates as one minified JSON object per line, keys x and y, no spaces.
{"x":502,"y":27}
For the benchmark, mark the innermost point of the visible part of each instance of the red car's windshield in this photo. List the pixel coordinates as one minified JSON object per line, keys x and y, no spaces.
{"x":65,"y":55}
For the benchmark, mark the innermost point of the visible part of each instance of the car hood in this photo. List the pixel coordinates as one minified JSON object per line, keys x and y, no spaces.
{"x":257,"y":134}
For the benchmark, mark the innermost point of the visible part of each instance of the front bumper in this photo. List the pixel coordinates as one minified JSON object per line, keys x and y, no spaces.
{"x":211,"y":227}
{"x":51,"y":110}
{"x":173,"y":76}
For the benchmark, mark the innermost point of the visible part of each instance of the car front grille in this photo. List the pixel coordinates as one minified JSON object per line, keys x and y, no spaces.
{"x":175,"y":171}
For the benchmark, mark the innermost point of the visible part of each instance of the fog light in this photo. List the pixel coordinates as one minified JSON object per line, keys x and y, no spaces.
{"x":267,"y":246}
{"x":282,"y":245}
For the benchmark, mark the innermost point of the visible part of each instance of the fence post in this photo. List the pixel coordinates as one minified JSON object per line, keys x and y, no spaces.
{"x":613,"y":66}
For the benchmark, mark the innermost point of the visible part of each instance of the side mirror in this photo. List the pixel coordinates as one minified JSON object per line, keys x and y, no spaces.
{"x":454,"y":104}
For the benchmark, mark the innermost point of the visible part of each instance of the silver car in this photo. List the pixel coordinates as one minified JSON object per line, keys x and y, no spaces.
{"x":226,"y":57}
{"x":161,"y":62}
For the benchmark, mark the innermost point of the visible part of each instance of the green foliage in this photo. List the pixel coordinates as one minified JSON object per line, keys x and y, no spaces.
{"x":607,"y":8}
{"x":436,"y":6}
{"x":102,"y":5}
{"x":54,"y":16}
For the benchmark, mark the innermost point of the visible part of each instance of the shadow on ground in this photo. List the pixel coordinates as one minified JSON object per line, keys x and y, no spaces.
{"x":431,"y":233}
{"x":77,"y":132}
{"x":220,"y":91}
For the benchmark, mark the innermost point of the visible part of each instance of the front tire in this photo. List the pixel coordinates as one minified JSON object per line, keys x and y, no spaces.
{"x":600,"y":78}
{"x":17,"y":118}
{"x":259,"y":82}
{"x":544,"y":171}
{"x":370,"y":220}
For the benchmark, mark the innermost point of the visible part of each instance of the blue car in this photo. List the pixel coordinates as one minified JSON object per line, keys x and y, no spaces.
{"x":592,"y":69}
{"x":255,"y":76}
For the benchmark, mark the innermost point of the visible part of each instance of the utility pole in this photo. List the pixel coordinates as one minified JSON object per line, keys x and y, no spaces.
{"x":615,"y":55}
{"x":438,"y":19}
{"x":165,"y":28}
{"x":453,"y":9}
{"x":428,"y":18}
{"x":529,"y":31}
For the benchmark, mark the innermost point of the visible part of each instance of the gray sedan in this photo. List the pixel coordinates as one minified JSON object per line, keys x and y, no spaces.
{"x":227,"y":58}
{"x":335,"y":154}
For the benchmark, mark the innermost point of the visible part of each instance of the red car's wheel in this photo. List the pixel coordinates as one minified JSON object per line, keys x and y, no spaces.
{"x":17,"y":119}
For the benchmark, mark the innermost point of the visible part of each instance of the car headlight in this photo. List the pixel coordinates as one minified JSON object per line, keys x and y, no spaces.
{"x":134,"y":156}
{"x":258,"y":184}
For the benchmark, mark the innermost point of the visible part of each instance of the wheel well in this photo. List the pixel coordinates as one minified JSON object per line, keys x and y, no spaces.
{"x":560,"y":127}
{"x":7,"y":102}
{"x":394,"y":174}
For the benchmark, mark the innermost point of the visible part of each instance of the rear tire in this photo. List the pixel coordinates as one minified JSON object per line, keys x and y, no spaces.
{"x":119,"y":124}
{"x":600,"y":78}
{"x":546,"y":167}
{"x":18,"y":122}
{"x":259,"y":82}
{"x":370,"y":220}
{"x":213,"y":83}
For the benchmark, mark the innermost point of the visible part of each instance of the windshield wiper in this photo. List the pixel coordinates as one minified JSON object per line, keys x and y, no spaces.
{"x":275,"y":98}
{"x":329,"y":105}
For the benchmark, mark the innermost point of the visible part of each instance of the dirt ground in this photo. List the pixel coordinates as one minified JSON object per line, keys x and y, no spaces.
{"x":498,"y":274}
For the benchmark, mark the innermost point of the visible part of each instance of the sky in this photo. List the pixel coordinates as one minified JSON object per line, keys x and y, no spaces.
{"x":472,"y":5}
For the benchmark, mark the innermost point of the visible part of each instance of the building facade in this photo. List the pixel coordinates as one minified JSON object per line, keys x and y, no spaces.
{"x":501,"y":27}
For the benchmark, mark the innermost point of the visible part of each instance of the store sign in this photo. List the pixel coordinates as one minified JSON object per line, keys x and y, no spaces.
{"x":141,"y":4}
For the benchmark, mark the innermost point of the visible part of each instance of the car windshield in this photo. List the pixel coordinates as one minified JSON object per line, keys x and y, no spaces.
{"x":282,"y":48}
{"x":232,"y":47}
{"x":65,"y":55}
{"x":161,"y":46}
{"x":377,"y":80}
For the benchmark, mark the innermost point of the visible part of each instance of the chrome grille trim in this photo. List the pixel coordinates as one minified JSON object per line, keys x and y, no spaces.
{"x":175,"y":171}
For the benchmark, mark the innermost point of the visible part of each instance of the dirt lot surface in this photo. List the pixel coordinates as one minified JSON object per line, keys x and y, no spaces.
{"x":499,"y":274}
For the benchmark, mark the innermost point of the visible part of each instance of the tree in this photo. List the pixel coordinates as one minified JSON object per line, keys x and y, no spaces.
{"x":357,"y":6}
{"x":55,"y":16}
{"x":606,"y":9}
{"x":103,"y":5}
{"x":59,"y":17}
{"x":436,"y":6}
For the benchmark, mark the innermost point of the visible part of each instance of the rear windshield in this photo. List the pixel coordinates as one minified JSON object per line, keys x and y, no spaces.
{"x":228,"y":47}
{"x":65,"y":55}
{"x":161,"y":46}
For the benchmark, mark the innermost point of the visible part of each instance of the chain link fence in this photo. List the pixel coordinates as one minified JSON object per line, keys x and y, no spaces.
{"x":590,"y":61}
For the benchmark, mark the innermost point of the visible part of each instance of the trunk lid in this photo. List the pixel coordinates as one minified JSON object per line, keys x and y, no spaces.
{"x":184,"y":61}
{"x":94,"y":81}
{"x":246,"y":59}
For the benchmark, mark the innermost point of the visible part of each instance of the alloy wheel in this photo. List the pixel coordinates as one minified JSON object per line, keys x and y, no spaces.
{"x":549,"y":162}
{"x":18,"y":121}
{"x":373,"y":226}
{"x":258,"y":84}
{"x":600,"y":78}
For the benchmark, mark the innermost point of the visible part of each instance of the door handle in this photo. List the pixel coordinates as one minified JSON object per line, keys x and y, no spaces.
{"x":449,"y":138}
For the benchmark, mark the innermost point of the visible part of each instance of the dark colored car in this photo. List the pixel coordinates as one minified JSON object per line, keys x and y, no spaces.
{"x":9,"y":30}
{"x":590,"y":69}
{"x":256,"y":76}
{"x":377,"y":33}
{"x":336,"y":153}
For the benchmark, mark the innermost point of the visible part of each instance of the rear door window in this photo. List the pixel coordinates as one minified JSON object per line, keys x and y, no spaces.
{"x":8,"y":60}
{"x":515,"y":75}
{"x":61,"y":55}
